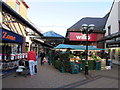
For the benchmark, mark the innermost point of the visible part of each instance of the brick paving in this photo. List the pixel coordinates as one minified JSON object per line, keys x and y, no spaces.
{"x":49,"y":77}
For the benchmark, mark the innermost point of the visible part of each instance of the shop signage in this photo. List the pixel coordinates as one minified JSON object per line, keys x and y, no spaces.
{"x":10,"y":36}
{"x":82,"y":37}
{"x":112,"y":45}
{"x":7,"y":36}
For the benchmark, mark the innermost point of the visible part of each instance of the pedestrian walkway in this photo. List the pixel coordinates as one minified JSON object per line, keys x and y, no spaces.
{"x":49,"y":77}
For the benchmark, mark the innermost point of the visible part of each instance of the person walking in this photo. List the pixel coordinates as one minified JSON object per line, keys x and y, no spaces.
{"x":42,"y":55}
{"x":32,"y":60}
{"x":39,"y":58}
{"x":107,"y":57}
{"x":36,"y":63}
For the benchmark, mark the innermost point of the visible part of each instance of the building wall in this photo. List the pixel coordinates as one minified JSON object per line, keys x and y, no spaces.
{"x":17,"y":26}
{"x":100,"y":36}
{"x":22,"y":8}
{"x":119,"y":10}
{"x":23,"y":11}
{"x":11,"y":3}
{"x":0,"y":13}
{"x":113,"y":19}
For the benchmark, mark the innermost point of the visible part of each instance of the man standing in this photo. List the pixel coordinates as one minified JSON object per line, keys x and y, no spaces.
{"x":42,"y":55}
{"x":32,"y":60}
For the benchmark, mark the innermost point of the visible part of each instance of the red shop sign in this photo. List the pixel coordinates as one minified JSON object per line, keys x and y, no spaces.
{"x":82,"y":37}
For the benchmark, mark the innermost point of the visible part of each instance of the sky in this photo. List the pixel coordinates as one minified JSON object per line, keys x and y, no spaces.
{"x":59,"y":15}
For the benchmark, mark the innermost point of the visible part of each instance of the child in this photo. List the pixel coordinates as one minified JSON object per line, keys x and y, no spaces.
{"x":20,"y":67}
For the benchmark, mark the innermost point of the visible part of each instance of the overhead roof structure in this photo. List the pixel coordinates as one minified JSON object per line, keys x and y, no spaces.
{"x":44,"y":44}
{"x":8,"y":9}
{"x":52,"y":34}
{"x":98,"y":22}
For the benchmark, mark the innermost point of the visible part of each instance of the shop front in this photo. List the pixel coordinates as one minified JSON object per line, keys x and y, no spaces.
{"x":39,"y":45}
{"x":77,"y":38}
{"x":114,"y":51}
{"x":11,"y":49}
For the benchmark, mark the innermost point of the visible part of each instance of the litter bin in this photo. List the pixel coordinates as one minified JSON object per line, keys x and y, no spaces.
{"x":98,"y":65}
{"x":74,"y":68}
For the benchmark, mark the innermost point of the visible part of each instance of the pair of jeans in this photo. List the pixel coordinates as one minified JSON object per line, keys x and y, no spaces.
{"x":32,"y":67}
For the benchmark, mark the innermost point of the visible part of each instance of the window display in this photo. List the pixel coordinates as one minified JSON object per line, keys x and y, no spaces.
{"x":119,"y":54}
{"x":9,"y":55}
{"x":113,"y":54}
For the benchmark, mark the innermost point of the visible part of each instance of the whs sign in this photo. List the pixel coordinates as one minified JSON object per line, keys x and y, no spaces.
{"x":82,"y":37}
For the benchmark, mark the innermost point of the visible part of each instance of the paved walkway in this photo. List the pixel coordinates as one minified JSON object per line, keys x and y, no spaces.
{"x":49,"y":77}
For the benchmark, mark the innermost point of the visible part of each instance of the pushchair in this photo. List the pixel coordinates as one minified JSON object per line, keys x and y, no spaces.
{"x":23,"y":68}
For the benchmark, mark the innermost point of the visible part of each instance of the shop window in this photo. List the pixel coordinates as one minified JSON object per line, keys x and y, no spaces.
{"x":109,"y":30}
{"x":17,"y":5}
{"x":119,"y":54}
{"x":109,"y":51}
{"x":113,"y":54}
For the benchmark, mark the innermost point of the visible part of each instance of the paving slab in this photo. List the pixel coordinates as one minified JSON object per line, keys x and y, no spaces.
{"x":49,"y":77}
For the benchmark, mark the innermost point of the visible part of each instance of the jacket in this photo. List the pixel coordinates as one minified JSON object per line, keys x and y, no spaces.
{"x":42,"y":55}
{"x":31,"y":55}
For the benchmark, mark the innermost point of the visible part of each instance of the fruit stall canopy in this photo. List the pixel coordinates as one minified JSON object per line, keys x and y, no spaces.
{"x":77,"y":47}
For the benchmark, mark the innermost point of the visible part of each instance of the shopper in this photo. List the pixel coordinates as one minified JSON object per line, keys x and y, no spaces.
{"x":36,"y":63}
{"x":42,"y":55}
{"x":32,"y":60}
{"x":39,"y":58}
{"x":107,"y":57}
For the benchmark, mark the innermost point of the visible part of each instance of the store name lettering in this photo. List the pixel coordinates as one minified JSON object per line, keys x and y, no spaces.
{"x":83,"y":37}
{"x":6,"y":36}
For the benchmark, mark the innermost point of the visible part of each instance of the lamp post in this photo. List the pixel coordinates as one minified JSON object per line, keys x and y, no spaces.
{"x":87,"y":29}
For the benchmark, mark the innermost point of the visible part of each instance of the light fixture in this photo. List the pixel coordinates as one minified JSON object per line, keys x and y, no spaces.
{"x":87,"y":29}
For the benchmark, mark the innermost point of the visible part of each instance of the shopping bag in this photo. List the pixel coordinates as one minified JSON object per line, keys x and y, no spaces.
{"x":44,"y":60}
{"x":19,"y":70}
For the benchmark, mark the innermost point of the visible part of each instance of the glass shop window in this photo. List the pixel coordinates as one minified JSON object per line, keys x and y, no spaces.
{"x":119,"y":54}
{"x":109,"y":30}
{"x":113,"y":54}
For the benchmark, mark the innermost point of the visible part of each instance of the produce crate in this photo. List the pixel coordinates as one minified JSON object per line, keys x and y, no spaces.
{"x":80,"y":66}
{"x":62,"y":69}
{"x":74,"y":68}
{"x":83,"y":64}
{"x":57,"y":64}
{"x":91,"y":64}
{"x":103,"y":64}
{"x":98,"y":65}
